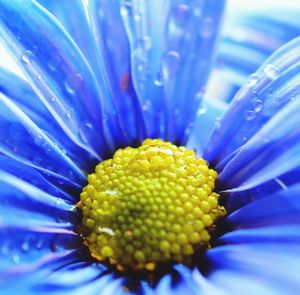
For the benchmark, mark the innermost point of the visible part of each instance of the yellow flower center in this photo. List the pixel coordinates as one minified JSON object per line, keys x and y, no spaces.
{"x":148,"y":205}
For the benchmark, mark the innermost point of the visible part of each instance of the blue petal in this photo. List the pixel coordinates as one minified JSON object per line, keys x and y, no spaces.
{"x":19,"y":200}
{"x":273,"y":265}
{"x":22,"y":140}
{"x":171,"y":60}
{"x":63,"y":273}
{"x":279,"y":208}
{"x":250,"y":35}
{"x":56,"y":70}
{"x":73,"y":17}
{"x":23,"y":96}
{"x":34,"y":177}
{"x":264,"y":96}
{"x":279,"y":234}
{"x":20,"y":248}
{"x":241,"y":282}
{"x":113,"y":60}
{"x":207,"y":116}
{"x":273,"y":151}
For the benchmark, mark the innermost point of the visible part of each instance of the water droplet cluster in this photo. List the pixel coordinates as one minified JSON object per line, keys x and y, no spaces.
{"x":148,"y":205}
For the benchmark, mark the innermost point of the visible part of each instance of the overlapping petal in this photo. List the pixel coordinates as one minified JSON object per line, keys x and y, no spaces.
{"x":250,"y":34}
{"x":169,"y":75}
{"x":261,"y":124}
{"x":56,"y":70}
{"x":259,"y":266}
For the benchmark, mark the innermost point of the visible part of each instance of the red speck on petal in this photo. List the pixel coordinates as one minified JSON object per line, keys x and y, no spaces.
{"x":124,"y":83}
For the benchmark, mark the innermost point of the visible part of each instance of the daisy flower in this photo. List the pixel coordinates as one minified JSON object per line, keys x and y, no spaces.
{"x":118,"y":177}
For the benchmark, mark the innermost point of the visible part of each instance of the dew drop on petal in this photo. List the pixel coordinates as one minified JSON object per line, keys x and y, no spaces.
{"x":158,"y":79}
{"x":271,"y":71}
{"x":145,"y":42}
{"x":252,"y":80}
{"x":16,"y":259}
{"x":86,"y":131}
{"x":171,"y":62}
{"x":27,"y":56}
{"x":250,"y":115}
{"x":258,"y":105}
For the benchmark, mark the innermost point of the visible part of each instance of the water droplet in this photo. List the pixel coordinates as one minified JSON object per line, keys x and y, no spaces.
{"x":171,"y":62}
{"x":182,"y":13}
{"x":39,"y":244}
{"x":218,"y":123}
{"x":258,"y":105}
{"x":158,"y":79}
{"x":16,"y":259}
{"x":250,"y":115}
{"x":137,"y":17}
{"x":272,"y":71}
{"x":145,"y":42}
{"x":37,"y":161}
{"x":86,"y":131}
{"x":199,"y":96}
{"x":38,"y":140}
{"x":252,"y":80}
{"x":25,"y":246}
{"x":146,"y":106}
{"x":202,"y":110}
{"x":27,"y":56}
{"x":126,"y":8}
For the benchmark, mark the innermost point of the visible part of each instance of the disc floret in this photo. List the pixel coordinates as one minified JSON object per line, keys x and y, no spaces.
{"x":148,"y":205}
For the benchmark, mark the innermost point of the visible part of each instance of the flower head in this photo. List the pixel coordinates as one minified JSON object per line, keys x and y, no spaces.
{"x":100,"y":77}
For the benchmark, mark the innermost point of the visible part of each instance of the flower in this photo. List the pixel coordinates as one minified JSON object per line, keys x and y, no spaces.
{"x":109,"y":75}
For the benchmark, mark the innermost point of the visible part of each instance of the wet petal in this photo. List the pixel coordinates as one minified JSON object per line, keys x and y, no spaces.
{"x":56,"y":70}
{"x":20,"y":248}
{"x":261,"y":262}
{"x":250,"y":34}
{"x":72,"y":16}
{"x":23,"y":140}
{"x":63,"y":273}
{"x":267,"y":92}
{"x":113,"y":62}
{"x":171,"y":60}
{"x":280,"y":208}
{"x":273,"y":151}
{"x":18,"y":91}
{"x":207,"y":117}
{"x":281,"y":234}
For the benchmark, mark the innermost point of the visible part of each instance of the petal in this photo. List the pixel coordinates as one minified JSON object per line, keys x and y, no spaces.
{"x":262,"y":98}
{"x":65,"y":273}
{"x":21,"y":248}
{"x":20,"y":200}
{"x":24,"y":141}
{"x":18,"y":91}
{"x":113,"y":61}
{"x":273,"y":151}
{"x":273,"y":234}
{"x":72,"y":16}
{"x":279,"y":208}
{"x":263,"y":262}
{"x":251,"y":33}
{"x":171,"y":60}
{"x":34,"y":177}
{"x":207,"y":116}
{"x":56,"y":70}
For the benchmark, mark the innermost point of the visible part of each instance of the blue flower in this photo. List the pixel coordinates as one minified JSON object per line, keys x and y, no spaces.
{"x":108,"y":75}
